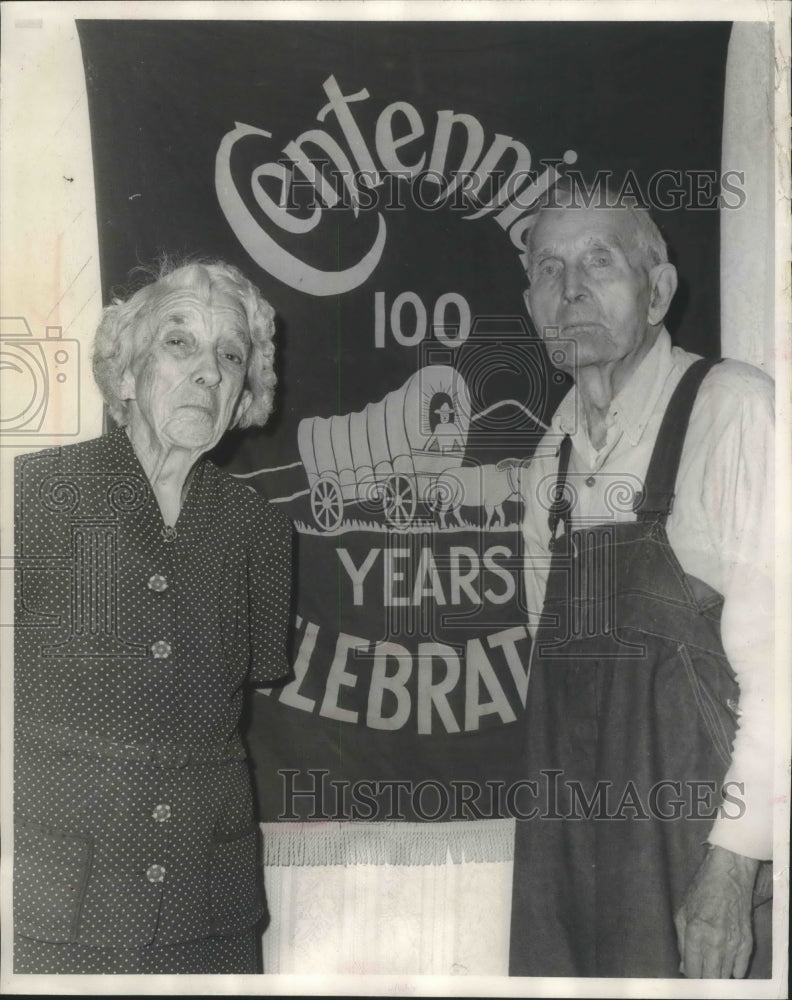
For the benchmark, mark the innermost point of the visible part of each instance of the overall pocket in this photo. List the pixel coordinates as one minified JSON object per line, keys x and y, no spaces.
{"x":718,"y":715}
{"x":51,"y":871}
{"x":234,"y":883}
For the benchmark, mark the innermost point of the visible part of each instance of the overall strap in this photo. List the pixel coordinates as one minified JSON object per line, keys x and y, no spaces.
{"x":562,"y":504}
{"x":655,"y":501}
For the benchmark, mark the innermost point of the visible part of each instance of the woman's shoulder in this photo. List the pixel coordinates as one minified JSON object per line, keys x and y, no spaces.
{"x":247,"y":503}
{"x":82,"y":455}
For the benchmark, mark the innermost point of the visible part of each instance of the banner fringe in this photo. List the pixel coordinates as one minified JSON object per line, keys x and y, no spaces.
{"x":324,"y":843}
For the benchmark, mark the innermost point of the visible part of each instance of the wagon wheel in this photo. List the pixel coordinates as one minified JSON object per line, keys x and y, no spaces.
{"x":398,"y":500}
{"x":327,"y":504}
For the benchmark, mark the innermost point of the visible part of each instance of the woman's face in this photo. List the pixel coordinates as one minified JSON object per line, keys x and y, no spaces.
{"x":187,"y":386}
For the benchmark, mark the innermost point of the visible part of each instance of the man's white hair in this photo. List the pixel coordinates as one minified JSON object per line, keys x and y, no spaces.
{"x":647,"y":238}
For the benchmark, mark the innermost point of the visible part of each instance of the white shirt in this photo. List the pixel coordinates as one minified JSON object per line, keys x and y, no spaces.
{"x":721,"y":529}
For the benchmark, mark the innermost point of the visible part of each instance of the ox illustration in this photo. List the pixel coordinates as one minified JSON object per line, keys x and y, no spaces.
{"x":484,"y":486}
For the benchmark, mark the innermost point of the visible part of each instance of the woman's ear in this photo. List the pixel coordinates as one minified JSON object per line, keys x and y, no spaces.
{"x":126,"y":386}
{"x":242,"y":406}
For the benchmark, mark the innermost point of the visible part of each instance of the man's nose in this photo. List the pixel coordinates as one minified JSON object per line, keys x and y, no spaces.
{"x":574,"y":285}
{"x":207,"y":370}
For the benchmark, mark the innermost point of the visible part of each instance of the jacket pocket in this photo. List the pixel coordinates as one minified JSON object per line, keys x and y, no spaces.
{"x":234,"y":883}
{"x":51,"y":872}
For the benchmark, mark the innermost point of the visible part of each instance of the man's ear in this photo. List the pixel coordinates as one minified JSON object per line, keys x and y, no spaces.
{"x":242,"y":406}
{"x":126,"y":386}
{"x":527,"y":301}
{"x":663,"y":285}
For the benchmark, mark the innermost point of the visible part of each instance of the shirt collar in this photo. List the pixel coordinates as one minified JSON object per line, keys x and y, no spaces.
{"x":632,"y":407}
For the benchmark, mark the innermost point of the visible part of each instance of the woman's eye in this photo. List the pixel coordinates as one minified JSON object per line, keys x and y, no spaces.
{"x":601,"y":260}
{"x":234,"y":359}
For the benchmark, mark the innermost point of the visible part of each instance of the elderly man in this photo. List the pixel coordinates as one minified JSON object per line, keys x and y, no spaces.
{"x":649,"y":550}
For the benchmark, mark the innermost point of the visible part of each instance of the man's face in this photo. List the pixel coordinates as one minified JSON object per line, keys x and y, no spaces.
{"x":187,"y":385}
{"x":590,"y":285}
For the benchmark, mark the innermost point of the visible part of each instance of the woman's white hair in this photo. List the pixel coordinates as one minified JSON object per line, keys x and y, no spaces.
{"x":124,"y":332}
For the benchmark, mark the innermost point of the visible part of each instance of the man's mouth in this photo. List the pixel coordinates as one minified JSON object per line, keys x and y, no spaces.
{"x":581,"y":327}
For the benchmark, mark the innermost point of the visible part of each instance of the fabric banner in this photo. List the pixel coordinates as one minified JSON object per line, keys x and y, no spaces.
{"x":376,"y":182}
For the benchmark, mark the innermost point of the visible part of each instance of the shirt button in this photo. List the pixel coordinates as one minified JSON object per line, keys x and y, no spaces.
{"x":161,"y":813}
{"x":590,"y":481}
{"x":161,"y":649}
{"x":157,"y":583}
{"x":155,"y":873}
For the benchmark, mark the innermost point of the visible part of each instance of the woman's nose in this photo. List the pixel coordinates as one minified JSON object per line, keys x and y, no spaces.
{"x":207,"y":370}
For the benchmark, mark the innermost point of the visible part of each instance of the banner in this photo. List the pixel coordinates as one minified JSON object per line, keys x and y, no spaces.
{"x":376,"y":181}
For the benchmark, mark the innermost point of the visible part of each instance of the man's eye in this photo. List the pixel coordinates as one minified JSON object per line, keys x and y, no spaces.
{"x":234,"y":359}
{"x":601,"y":260}
{"x":175,"y":340}
{"x":548,"y":268}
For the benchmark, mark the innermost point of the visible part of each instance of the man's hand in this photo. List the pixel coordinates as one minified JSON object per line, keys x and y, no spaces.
{"x":713,"y":924}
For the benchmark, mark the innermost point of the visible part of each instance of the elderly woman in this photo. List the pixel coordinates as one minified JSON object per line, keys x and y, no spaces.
{"x":151,"y":586}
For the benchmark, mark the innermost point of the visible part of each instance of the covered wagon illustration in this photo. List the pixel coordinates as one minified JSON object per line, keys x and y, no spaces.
{"x":389,"y":455}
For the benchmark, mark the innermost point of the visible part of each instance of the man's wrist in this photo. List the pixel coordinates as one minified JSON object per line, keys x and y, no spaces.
{"x":741,"y":868}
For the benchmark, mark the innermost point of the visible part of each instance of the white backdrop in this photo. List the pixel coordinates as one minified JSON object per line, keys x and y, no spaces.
{"x":747,"y":249}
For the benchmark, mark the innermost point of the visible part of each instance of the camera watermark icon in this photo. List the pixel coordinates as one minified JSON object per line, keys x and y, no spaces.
{"x":39,"y":383}
{"x":512,"y":384}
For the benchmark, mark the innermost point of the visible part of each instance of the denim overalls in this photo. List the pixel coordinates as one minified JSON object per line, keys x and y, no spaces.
{"x":630,"y":719}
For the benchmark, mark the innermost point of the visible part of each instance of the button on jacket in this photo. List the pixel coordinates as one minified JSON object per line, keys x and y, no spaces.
{"x":133,"y":812}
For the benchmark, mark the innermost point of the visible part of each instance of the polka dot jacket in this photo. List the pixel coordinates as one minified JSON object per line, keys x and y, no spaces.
{"x":133,"y":814}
